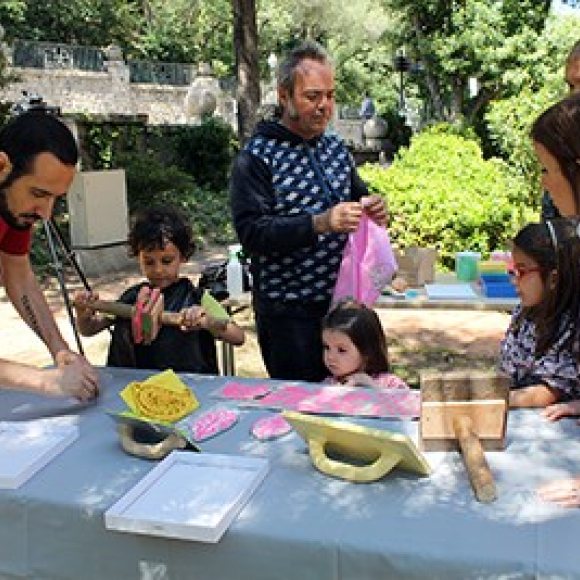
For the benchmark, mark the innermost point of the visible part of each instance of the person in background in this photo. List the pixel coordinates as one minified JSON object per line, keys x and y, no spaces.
{"x":367,"y":109}
{"x":541,"y":348}
{"x":161,"y":240}
{"x":572,"y":78}
{"x":355,"y":348}
{"x":556,"y":138}
{"x":38,"y":157}
{"x":295,"y":196}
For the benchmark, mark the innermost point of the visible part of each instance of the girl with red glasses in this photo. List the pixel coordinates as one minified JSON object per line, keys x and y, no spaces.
{"x":541,"y":349}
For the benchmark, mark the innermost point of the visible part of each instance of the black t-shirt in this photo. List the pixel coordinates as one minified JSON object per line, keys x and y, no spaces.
{"x":192,"y":352}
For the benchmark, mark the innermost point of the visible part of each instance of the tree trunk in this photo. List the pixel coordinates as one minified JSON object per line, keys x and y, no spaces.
{"x":247,"y":69}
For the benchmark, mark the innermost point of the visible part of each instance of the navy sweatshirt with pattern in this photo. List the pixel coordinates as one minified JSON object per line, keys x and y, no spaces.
{"x":279,"y":181}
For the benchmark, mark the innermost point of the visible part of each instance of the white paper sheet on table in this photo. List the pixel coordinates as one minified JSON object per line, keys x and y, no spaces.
{"x":450,"y":292}
{"x":27,"y":446}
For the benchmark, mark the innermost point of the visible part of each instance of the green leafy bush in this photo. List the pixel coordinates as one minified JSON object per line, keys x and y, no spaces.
{"x":442,"y":193}
{"x":187,"y":166}
{"x":509,"y":122}
{"x":203,"y":151}
{"x":206,"y":151}
{"x":150,"y":182}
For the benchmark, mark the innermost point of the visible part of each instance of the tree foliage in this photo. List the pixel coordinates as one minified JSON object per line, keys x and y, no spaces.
{"x":540,"y":83}
{"x":442,"y":193}
{"x":470,"y":38}
{"x":88,"y":22}
{"x":351,"y":31}
{"x":185,"y":31}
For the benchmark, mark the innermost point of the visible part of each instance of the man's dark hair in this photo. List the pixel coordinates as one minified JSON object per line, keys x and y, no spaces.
{"x":154,"y":227}
{"x":31,"y":133}
{"x":287,"y":69}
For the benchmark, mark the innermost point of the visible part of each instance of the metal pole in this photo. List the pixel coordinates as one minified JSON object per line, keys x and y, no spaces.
{"x":401,"y":92}
{"x":69,"y":254}
{"x":60,"y":277}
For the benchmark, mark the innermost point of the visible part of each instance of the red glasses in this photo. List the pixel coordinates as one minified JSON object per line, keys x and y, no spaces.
{"x":521,"y":271}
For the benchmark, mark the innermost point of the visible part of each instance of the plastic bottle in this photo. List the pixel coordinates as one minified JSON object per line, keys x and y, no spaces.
{"x":234,"y":274}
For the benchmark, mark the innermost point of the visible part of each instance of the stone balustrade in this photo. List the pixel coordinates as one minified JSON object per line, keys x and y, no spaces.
{"x":110,"y":90}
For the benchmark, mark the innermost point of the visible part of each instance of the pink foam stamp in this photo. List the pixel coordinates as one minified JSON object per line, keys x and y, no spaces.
{"x":285,"y":397}
{"x":242,"y":391}
{"x":212,"y":423}
{"x":270,"y":427}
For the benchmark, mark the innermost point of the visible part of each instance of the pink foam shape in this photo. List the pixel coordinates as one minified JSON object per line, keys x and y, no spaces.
{"x":363,"y":403}
{"x":270,"y":427}
{"x":211,"y":423}
{"x":242,"y":391}
{"x":286,"y":397}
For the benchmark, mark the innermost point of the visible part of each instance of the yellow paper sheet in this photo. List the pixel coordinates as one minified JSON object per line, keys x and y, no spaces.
{"x":161,"y":397}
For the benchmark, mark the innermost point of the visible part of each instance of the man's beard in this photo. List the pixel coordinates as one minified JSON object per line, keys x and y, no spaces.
{"x":291,"y":111}
{"x":8,"y":216}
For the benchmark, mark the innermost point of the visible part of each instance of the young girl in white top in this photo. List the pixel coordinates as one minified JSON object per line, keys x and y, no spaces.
{"x":355,"y":348}
{"x":541,"y":348}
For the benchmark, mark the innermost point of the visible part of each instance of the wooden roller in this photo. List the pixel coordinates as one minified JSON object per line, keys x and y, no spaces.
{"x":127,"y":311}
{"x":467,"y":411}
{"x":480,"y":475}
{"x":147,"y":316}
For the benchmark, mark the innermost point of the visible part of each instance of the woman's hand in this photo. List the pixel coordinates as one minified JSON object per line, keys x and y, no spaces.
{"x":559,"y":410}
{"x":563,"y":492}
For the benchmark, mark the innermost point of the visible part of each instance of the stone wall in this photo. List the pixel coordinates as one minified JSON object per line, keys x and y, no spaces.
{"x":109,"y":93}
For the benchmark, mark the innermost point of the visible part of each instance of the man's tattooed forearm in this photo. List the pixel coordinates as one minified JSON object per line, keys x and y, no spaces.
{"x":30,"y":316}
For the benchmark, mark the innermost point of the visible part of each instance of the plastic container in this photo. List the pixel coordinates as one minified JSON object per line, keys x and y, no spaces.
{"x":492,"y":267}
{"x":234,"y":273}
{"x":498,"y":289}
{"x":466,"y":266}
{"x":495,"y":278}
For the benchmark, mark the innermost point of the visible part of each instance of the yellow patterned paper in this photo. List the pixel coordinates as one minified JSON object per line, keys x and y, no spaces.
{"x":162,"y":397}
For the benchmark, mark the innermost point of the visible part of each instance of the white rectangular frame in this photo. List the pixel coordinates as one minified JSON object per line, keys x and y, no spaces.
{"x":239,"y":478}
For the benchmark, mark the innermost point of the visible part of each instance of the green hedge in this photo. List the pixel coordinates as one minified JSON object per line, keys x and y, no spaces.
{"x":442,"y":193}
{"x":150,"y":182}
{"x":187,"y":166}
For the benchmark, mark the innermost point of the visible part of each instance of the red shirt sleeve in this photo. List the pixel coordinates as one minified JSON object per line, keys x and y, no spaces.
{"x":15,"y":242}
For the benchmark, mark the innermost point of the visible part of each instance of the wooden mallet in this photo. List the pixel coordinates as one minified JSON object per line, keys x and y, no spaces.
{"x":466,"y":410}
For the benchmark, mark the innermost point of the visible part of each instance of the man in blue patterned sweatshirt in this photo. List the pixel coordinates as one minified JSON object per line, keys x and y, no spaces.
{"x":295,"y":196}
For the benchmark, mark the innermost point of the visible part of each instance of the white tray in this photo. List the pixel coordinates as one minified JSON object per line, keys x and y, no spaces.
{"x":27,"y":446}
{"x":450,"y":292}
{"x":192,"y":496}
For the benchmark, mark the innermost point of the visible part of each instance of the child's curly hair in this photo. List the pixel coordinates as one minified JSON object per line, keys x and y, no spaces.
{"x":154,"y":227}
